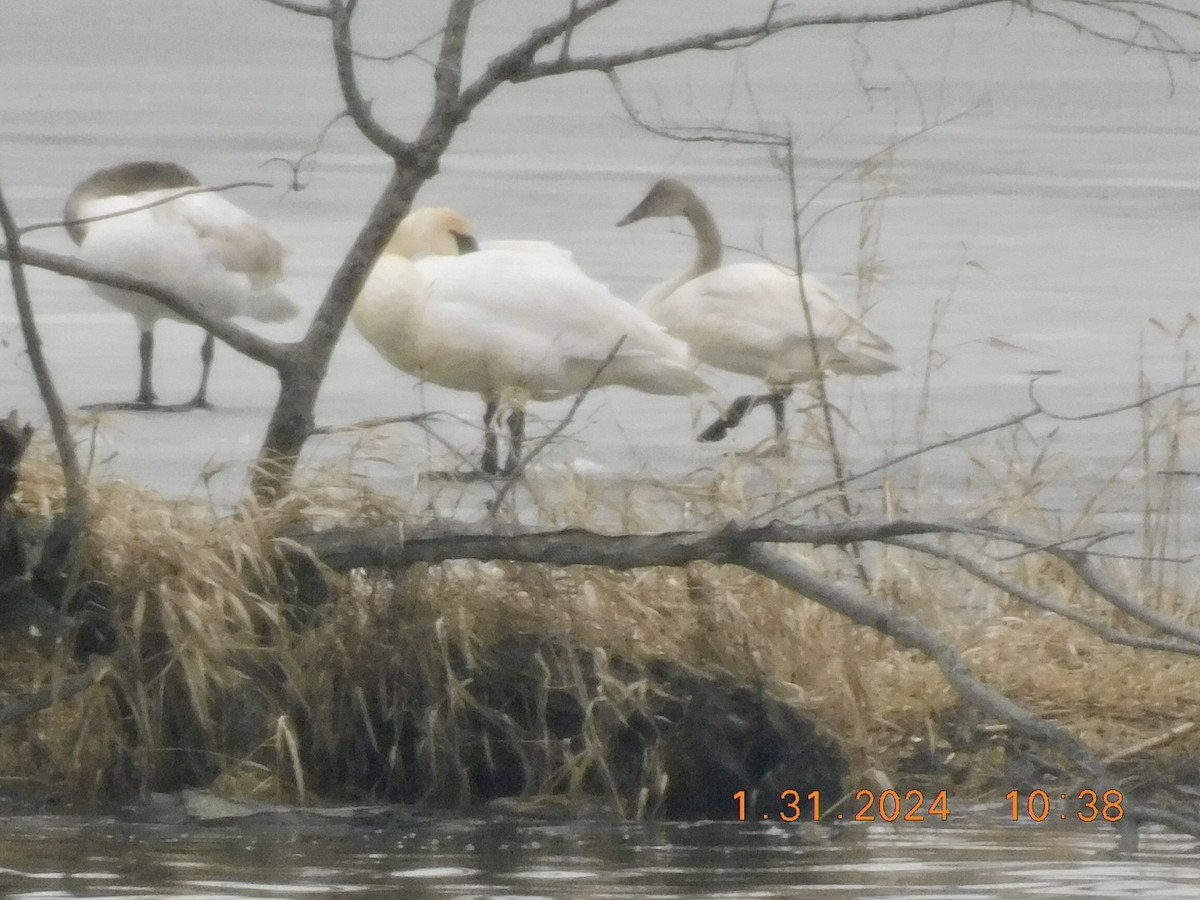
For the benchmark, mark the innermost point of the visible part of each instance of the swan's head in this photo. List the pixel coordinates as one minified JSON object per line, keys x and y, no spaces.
{"x":121,"y":181}
{"x":669,"y":197}
{"x":432,"y":231}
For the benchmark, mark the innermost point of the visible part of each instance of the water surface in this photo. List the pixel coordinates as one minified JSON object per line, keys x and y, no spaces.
{"x":976,"y":858}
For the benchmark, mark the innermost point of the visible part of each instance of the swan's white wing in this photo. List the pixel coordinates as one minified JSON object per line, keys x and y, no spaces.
{"x":749,"y":318}
{"x":201,"y":246}
{"x":544,"y":326}
{"x":236,"y":240}
{"x":542,"y":248}
{"x":239,"y":244}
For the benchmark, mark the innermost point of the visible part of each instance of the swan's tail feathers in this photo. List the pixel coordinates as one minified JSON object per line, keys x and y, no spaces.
{"x":269,"y":306}
{"x":679,"y":380}
{"x":652,"y":374}
{"x":863,"y":361}
{"x":863,"y":352}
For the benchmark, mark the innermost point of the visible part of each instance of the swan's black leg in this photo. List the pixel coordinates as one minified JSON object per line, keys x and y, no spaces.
{"x":146,"y":354}
{"x":200,"y":401}
{"x":516,"y":437}
{"x":489,"y":465}
{"x":778,"y":399}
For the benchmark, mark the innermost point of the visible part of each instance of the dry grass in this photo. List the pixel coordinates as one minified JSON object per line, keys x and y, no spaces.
{"x":393,"y":691}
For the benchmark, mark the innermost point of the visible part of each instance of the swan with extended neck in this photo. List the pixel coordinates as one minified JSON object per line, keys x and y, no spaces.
{"x":750,"y":317}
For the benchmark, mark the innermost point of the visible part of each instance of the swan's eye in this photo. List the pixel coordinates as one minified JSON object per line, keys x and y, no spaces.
{"x":466,"y":243}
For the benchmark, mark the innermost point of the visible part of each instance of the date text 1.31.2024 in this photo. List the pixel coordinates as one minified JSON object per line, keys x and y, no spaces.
{"x":885,"y":806}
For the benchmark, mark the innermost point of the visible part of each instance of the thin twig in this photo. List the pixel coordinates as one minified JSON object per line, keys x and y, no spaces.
{"x":1159,"y":740}
{"x":366,"y":424}
{"x":67,"y":223}
{"x":298,"y":163}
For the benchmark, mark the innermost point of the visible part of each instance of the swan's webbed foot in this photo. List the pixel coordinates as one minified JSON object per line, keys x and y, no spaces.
{"x":714,"y":432}
{"x":730,"y":418}
{"x":144,"y":406}
{"x":129,"y":405}
{"x":197,"y":402}
{"x":194,"y":403}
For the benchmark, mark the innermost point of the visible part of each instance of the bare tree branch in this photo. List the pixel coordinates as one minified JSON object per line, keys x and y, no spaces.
{"x":1020,"y":592}
{"x":386,"y":547}
{"x":1089,"y":573}
{"x":737,"y":37}
{"x":515,"y":63}
{"x":341,"y":14}
{"x":76,"y":500}
{"x":391,"y":547}
{"x":269,"y":353}
{"x":1162,"y":41}
{"x":447,"y":75}
{"x":308,"y":9}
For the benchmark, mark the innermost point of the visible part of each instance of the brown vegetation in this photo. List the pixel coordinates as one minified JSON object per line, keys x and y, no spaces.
{"x":451,"y":683}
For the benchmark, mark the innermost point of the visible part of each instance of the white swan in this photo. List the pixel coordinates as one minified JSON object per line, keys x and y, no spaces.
{"x":200,"y":245}
{"x":749,"y":317}
{"x":511,"y":325}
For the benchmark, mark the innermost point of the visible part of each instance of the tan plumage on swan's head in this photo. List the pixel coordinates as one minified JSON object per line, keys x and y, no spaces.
{"x":433,"y":231}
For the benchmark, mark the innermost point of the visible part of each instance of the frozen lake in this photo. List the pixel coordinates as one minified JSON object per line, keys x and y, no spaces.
{"x":1051,"y":227}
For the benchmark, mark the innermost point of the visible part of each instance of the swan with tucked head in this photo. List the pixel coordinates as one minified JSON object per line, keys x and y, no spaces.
{"x":511,"y":325}
{"x":199,"y":245}
{"x":749,"y":317}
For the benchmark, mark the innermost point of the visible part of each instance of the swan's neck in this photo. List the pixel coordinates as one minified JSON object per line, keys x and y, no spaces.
{"x":708,"y":238}
{"x":708,"y":253}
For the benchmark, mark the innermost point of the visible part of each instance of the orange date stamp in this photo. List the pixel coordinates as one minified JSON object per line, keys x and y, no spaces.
{"x":868,"y":806}
{"x":914,"y":805}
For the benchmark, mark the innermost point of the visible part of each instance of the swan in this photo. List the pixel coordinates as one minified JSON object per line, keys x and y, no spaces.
{"x":200,"y":245}
{"x":512,"y":323}
{"x":749,"y":317}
